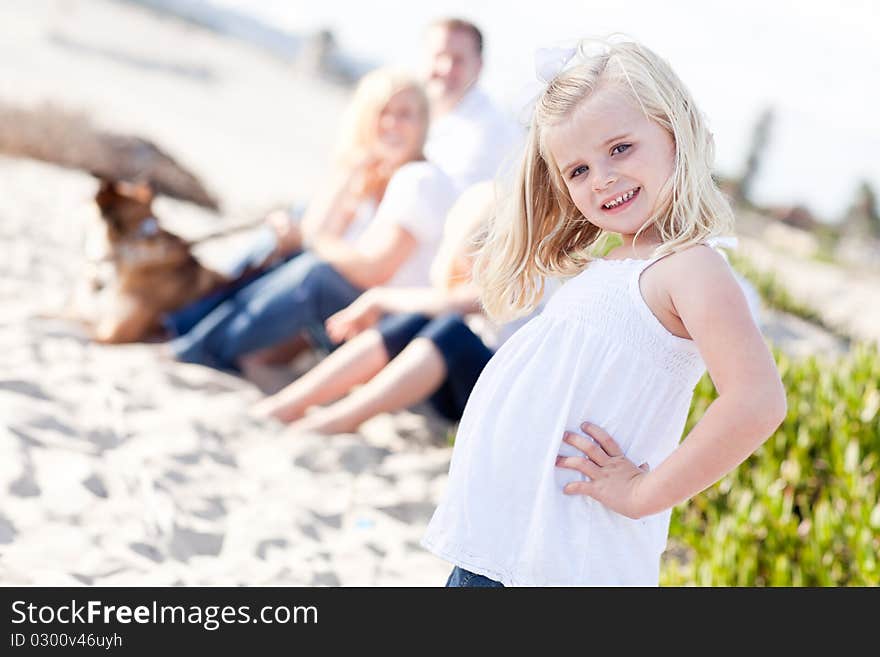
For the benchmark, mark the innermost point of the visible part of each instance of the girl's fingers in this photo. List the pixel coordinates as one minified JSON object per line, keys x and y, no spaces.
{"x":587,"y":446}
{"x":601,"y":436}
{"x":579,"y":488}
{"x":582,"y":465}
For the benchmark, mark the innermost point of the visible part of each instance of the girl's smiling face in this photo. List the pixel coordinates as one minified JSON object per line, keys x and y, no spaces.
{"x":614,"y":160}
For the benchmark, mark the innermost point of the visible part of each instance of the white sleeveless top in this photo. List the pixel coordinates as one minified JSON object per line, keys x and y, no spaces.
{"x":596,"y":353}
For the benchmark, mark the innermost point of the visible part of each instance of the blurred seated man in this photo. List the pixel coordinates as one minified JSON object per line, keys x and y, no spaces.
{"x":469,"y":137}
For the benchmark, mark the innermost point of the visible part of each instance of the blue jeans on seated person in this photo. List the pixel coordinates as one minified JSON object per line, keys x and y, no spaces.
{"x":463,"y":352}
{"x":459,"y":577}
{"x":299,"y":295}
{"x":257,"y":252}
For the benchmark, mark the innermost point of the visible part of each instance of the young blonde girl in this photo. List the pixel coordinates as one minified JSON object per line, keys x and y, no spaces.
{"x":567,"y":461}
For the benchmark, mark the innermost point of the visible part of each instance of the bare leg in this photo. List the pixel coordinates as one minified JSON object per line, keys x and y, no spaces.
{"x":410,"y":378}
{"x":355,"y":362}
{"x":268,"y":368}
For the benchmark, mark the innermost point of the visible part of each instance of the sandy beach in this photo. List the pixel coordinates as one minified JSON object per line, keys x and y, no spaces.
{"x":120,"y":469}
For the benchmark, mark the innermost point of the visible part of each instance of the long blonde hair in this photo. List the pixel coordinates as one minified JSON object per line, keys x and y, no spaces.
{"x":538,"y":231}
{"x":360,"y":122}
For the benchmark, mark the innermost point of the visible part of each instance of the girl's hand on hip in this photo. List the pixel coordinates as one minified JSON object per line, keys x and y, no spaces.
{"x":614,"y":480}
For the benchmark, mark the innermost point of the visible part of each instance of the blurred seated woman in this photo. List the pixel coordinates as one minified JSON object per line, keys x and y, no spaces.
{"x":378,"y":221}
{"x":431,"y":344}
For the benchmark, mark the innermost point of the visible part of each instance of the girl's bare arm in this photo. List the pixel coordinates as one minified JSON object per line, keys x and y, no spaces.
{"x":751,"y":400}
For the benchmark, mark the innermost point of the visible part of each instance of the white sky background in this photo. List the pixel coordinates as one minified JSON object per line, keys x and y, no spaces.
{"x":816,"y":62}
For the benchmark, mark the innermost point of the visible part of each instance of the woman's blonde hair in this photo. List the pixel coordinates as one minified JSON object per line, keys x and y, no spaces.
{"x":539,"y":232}
{"x":360,"y":122}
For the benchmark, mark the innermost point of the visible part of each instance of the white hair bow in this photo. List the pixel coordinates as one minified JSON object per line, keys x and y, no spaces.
{"x":550,"y":62}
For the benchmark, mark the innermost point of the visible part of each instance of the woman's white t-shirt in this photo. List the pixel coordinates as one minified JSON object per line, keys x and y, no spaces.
{"x":417,"y":199}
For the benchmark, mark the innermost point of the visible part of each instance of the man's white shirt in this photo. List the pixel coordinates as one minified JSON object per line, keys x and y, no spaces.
{"x":473,"y":140}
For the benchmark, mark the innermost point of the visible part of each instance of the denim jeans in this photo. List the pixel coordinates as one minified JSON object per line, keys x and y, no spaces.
{"x":299,"y":295}
{"x":252,"y":257}
{"x":463,"y":352}
{"x":459,"y":577}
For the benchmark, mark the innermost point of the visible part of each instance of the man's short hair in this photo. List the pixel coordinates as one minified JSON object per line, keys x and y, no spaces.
{"x":466,"y":26}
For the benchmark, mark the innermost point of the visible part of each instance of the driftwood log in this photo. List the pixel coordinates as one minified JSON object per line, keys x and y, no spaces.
{"x":69,"y":139}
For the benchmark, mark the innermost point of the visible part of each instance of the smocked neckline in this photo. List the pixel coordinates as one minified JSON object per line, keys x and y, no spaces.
{"x":622,"y":260}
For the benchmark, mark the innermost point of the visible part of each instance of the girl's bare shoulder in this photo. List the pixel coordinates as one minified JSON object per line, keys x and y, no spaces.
{"x":696,"y":260}
{"x":699,"y":271}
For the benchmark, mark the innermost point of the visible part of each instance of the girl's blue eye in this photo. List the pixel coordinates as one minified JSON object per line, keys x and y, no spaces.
{"x":579,"y":170}
{"x":620,"y":148}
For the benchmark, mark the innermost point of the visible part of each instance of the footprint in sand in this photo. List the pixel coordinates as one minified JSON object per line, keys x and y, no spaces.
{"x":263,"y":546}
{"x":146,"y":550}
{"x":104,"y":438}
{"x":52,"y":424}
{"x":26,"y":484}
{"x":359,"y":458}
{"x":333,"y":520}
{"x":96,"y":486}
{"x":205,"y":385}
{"x":212,"y":509}
{"x":375,"y":549}
{"x":7,"y":531}
{"x":24,"y":388}
{"x":410,"y":512}
{"x":188,"y":459}
{"x":26,"y":441}
{"x":325,"y":579}
{"x":310,"y":531}
{"x":187,"y":543}
{"x":223,"y":459}
{"x":207,"y":433}
{"x":355,"y":458}
{"x":174,"y":476}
